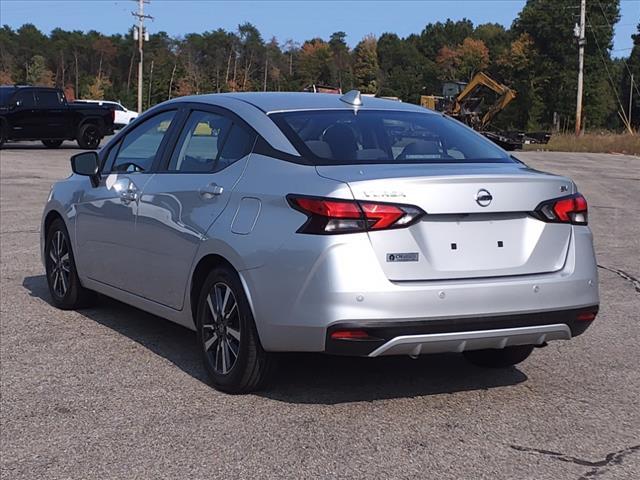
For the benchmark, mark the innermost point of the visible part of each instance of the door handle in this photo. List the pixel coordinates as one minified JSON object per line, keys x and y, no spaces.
{"x":211,"y":190}
{"x":129,"y":195}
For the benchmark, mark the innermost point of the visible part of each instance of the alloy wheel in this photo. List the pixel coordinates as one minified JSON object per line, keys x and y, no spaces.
{"x":59,"y":264}
{"x":221,"y":328}
{"x":91,"y":136}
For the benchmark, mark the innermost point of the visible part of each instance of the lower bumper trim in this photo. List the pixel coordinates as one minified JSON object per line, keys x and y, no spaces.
{"x":383,"y":335}
{"x":475,"y":340}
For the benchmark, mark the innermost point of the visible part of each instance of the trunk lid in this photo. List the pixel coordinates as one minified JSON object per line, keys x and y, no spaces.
{"x":459,"y":237}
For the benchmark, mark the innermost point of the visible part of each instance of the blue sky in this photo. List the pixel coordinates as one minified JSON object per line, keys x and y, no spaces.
{"x":297,"y":20}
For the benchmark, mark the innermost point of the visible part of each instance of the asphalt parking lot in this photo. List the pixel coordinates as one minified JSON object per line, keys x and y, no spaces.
{"x":112,"y":392}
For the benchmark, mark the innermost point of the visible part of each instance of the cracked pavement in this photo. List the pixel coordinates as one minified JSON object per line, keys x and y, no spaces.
{"x":112,"y":392}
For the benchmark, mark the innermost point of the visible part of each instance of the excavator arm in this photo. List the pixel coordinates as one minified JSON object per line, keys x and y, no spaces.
{"x":505,"y":96}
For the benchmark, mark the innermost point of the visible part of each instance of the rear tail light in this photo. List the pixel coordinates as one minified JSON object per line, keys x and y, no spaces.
{"x":572,"y":209}
{"x":587,"y":315}
{"x":350,"y":335}
{"x":333,"y":215}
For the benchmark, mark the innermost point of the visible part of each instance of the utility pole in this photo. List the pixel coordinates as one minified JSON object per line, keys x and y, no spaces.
{"x":150,"y":80}
{"x":266,"y":69}
{"x":141,"y":35}
{"x":579,"y":32}
{"x":630,"y":98}
{"x":175,"y":65}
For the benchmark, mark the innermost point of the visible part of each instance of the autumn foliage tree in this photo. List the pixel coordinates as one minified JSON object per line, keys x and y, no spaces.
{"x":365,"y":65}
{"x":463,"y":61}
{"x":536,"y":56}
{"x":38,"y":73}
{"x":313,"y":62}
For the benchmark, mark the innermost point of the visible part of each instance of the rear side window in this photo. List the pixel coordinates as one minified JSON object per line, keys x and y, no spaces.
{"x":49,"y":98}
{"x":209,"y":142}
{"x":140,"y":147}
{"x":237,"y":145}
{"x":346,"y":137}
{"x":115,"y":106}
{"x":200,"y":143}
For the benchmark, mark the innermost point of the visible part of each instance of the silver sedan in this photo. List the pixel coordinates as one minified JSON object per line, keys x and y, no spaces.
{"x":281,"y":222}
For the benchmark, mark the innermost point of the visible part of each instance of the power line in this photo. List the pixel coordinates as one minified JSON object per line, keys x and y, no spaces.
{"x":609,"y":23}
{"x":613,"y":86}
{"x":617,"y":25}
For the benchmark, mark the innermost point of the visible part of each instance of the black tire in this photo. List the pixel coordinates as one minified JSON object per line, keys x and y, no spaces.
{"x":52,"y":143}
{"x":499,"y":358}
{"x":89,"y":136}
{"x":62,"y":277}
{"x":233,"y":333}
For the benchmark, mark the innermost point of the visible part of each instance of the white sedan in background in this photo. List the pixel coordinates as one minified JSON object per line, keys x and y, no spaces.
{"x":123,"y":116}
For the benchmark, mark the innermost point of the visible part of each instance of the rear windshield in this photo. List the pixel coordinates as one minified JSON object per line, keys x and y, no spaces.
{"x":346,"y":137}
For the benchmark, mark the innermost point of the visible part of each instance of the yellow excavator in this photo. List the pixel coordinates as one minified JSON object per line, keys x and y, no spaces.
{"x":467,"y":102}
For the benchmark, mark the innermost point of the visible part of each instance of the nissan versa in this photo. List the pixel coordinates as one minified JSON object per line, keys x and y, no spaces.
{"x":281,"y":222}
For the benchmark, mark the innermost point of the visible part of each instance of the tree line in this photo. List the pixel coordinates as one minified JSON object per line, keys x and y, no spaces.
{"x":536,"y":56}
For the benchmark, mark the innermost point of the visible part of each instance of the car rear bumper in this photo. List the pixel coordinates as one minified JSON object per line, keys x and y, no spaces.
{"x":457,"y":334}
{"x":297,"y":302}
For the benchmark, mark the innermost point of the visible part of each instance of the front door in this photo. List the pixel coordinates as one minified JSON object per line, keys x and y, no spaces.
{"x":105,"y":223}
{"x":23,"y":122}
{"x":181,"y":202}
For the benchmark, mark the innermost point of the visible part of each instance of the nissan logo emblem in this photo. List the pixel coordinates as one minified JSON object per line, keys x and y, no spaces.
{"x":483,"y":197}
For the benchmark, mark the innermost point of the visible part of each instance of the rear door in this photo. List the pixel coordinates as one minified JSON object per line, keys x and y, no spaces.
{"x":184,"y":198}
{"x":51,"y":114}
{"x":108,"y":249}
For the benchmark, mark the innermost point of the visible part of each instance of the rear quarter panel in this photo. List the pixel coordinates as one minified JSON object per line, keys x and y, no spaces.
{"x":269,"y":181}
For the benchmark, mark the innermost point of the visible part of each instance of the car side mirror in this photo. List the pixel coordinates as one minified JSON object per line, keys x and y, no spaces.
{"x":88,"y":165}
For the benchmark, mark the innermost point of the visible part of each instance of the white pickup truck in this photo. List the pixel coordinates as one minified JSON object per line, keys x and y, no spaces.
{"x":123,"y":116}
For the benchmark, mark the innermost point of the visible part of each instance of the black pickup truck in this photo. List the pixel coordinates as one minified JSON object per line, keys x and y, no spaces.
{"x":42,"y":113}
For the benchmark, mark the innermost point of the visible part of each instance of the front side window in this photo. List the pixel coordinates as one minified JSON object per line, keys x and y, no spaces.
{"x":108,"y":160}
{"x":346,"y":137}
{"x":25,"y":99}
{"x":140,"y":147}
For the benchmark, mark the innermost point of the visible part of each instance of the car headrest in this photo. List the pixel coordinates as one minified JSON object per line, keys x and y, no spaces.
{"x":319,"y":148}
{"x":420,"y":149}
{"x":342,"y":141}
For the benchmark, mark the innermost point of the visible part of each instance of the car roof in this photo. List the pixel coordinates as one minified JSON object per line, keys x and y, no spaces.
{"x":25,"y":87}
{"x":271,"y":102}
